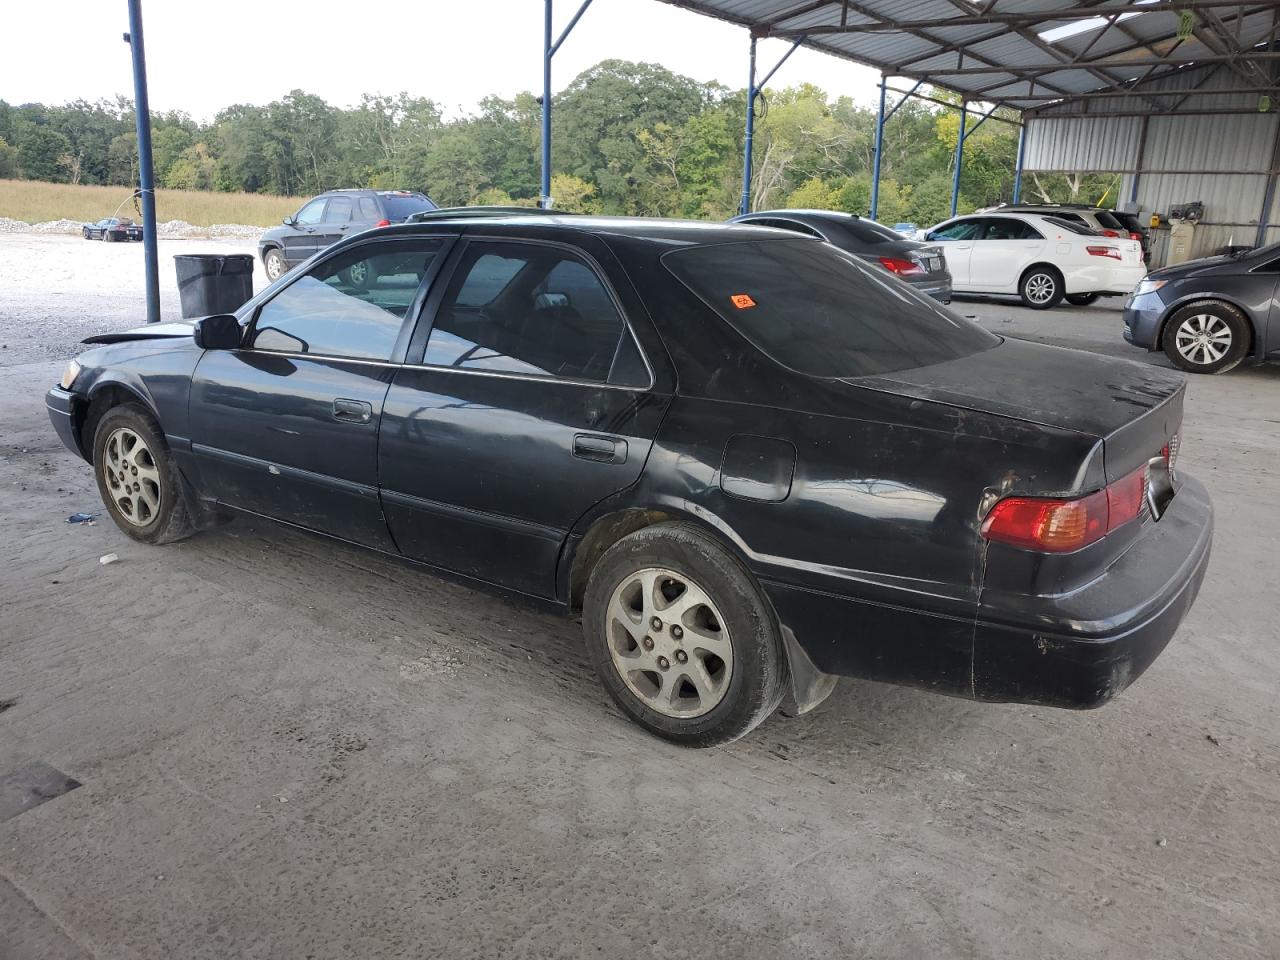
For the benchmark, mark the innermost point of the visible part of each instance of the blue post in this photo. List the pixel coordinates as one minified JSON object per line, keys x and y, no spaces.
{"x":1017,"y":170}
{"x":745,"y":205}
{"x":545,"y":200}
{"x":146,"y":175}
{"x":875,"y":167}
{"x":955,"y":179}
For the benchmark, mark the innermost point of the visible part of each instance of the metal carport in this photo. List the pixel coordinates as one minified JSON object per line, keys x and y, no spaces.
{"x":1083,"y":75}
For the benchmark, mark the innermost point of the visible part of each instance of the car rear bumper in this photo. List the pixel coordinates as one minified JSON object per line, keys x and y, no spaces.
{"x":1075,"y":650}
{"x":1105,"y":276}
{"x":64,"y":414}
{"x":940,"y":290}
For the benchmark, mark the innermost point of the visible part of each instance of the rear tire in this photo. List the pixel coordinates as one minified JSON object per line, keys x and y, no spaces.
{"x":682,"y":636}
{"x":1207,"y":336}
{"x":140,"y":484}
{"x":106,"y":237}
{"x":1082,"y":299}
{"x":1041,"y":287}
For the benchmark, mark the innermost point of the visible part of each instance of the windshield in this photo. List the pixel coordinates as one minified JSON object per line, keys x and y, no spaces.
{"x":401,"y":207}
{"x":820,"y":311}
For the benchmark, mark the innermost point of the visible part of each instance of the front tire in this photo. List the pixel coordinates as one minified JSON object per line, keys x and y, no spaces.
{"x":137,"y":478}
{"x":1082,"y":299}
{"x":1207,"y":336}
{"x":273,"y":263}
{"x":1041,"y":288}
{"x":682,"y":636}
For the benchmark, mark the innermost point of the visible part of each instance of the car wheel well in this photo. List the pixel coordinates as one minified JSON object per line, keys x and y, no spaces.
{"x":1207,"y":302}
{"x":100,"y":401}
{"x":1040,"y":266}
{"x":607,"y":530}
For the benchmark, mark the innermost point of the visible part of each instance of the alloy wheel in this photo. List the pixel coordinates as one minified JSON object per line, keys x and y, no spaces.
{"x":1203,"y":339}
{"x":132,"y":476}
{"x":669,"y":643}
{"x":358,"y":273}
{"x":275,"y":266}
{"x":1040,"y":288}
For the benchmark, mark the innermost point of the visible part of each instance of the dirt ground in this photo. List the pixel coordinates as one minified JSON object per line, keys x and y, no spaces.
{"x":292,"y":749}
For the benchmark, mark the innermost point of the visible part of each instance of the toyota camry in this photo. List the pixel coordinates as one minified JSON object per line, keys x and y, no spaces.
{"x":749,"y":462}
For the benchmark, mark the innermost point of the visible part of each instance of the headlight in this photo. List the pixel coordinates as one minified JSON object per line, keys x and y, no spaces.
{"x":1149,"y":286}
{"x":69,"y":375}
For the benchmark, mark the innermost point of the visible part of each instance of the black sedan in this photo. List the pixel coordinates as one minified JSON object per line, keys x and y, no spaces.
{"x":921,"y":265}
{"x":111,"y":229}
{"x":749,"y":461}
{"x":1208,"y":315}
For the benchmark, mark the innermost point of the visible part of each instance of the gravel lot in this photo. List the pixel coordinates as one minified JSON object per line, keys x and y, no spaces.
{"x":293,"y":749}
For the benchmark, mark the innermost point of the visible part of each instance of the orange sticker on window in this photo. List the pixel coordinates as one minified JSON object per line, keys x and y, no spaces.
{"x":742,"y":301}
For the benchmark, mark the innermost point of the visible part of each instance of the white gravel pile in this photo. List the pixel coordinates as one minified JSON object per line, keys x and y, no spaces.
{"x":57,"y":226}
{"x":169,"y":230}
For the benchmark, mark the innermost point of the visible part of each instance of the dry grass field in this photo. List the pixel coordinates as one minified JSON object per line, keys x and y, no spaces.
{"x":34,"y":202}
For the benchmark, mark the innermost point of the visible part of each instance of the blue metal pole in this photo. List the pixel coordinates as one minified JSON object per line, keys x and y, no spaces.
{"x":1017,"y":170}
{"x":146,"y":175}
{"x":745,"y":205}
{"x":545,"y":200}
{"x":875,"y":166}
{"x":955,"y":179}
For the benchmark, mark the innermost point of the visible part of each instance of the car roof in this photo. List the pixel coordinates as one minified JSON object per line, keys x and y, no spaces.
{"x":684,"y":232}
{"x":802,"y":214}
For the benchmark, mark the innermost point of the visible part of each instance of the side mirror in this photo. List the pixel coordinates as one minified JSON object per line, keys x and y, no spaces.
{"x":290,"y":221}
{"x":219,"y":332}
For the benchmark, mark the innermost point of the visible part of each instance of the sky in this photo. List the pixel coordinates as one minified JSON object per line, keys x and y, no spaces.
{"x":204,"y":56}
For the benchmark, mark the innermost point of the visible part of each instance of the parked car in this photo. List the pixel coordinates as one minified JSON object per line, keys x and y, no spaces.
{"x":918,"y":264}
{"x":1039,"y":258}
{"x":751,"y":462}
{"x":907,"y":231}
{"x":1137,"y":231}
{"x":331,"y":216}
{"x":1208,"y":315}
{"x":111,"y":229}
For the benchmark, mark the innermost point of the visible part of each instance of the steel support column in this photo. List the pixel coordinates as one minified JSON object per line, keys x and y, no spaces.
{"x":744,"y":205}
{"x":1137,"y":166}
{"x":548,"y":52}
{"x":146,"y":174}
{"x":1269,"y":194}
{"x":875,"y":166}
{"x":1017,"y":170}
{"x":955,"y":179}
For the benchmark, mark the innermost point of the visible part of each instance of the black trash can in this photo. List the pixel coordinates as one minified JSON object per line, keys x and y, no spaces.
{"x":210,"y":283}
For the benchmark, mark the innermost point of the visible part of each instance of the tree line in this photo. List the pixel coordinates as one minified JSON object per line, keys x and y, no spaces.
{"x":628,"y":138}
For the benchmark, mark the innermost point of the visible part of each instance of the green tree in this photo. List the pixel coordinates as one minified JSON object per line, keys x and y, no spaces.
{"x":8,"y":160}
{"x":40,"y":151}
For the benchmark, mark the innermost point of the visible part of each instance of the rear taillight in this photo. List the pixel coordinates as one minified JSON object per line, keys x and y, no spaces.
{"x":1135,"y":236}
{"x":383,"y":223}
{"x":903,"y":268}
{"x":1109,"y":233}
{"x":1061,"y":526}
{"x":1112,"y":252}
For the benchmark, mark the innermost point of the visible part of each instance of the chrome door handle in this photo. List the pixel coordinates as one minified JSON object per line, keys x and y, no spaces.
{"x":352,"y":411}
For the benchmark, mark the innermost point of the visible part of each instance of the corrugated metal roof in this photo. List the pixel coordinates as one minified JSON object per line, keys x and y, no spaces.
{"x":1024,"y":53}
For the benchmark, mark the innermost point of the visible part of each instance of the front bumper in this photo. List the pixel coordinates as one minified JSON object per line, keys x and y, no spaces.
{"x":65,"y":414}
{"x":1142,"y":317}
{"x":1075,"y":650}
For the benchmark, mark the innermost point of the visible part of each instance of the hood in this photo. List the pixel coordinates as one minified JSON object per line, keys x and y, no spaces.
{"x":152,"y":331}
{"x":1205,"y":265}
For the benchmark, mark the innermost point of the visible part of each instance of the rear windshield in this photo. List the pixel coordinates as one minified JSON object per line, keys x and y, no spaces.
{"x":819,"y":311}
{"x":398,"y":207}
{"x":868,"y":231}
{"x":1108,"y":220}
{"x":1072,"y":226}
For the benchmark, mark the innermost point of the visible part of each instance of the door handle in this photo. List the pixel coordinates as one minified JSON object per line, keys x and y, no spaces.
{"x":599,"y":449}
{"x":352,"y":411}
{"x":965,"y":247}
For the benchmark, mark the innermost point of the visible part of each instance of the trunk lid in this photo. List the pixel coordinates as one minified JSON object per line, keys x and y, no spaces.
{"x":1133,"y":408}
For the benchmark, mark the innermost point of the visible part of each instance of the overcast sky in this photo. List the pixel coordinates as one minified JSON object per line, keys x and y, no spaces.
{"x":204,"y":56}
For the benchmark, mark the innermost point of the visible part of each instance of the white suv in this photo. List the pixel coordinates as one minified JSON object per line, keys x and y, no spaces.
{"x":1040,"y":258}
{"x":1101,"y":220}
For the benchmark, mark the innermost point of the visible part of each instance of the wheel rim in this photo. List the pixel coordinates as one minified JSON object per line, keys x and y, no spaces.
{"x":669,"y":643}
{"x":274,"y":264}
{"x":1040,"y":288}
{"x":1203,"y":339}
{"x":358,"y":272}
{"x":132,"y":477}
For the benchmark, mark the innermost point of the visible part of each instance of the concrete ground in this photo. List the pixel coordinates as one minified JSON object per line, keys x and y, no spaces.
{"x":292,"y":749}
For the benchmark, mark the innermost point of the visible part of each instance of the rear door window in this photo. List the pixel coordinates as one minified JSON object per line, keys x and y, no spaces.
{"x":821,"y":311}
{"x":532,"y":309}
{"x":960,"y":230}
{"x":1010,"y":228}
{"x":338,"y":211}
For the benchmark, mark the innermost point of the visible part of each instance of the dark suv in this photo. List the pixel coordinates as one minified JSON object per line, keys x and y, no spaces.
{"x":330,"y":217}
